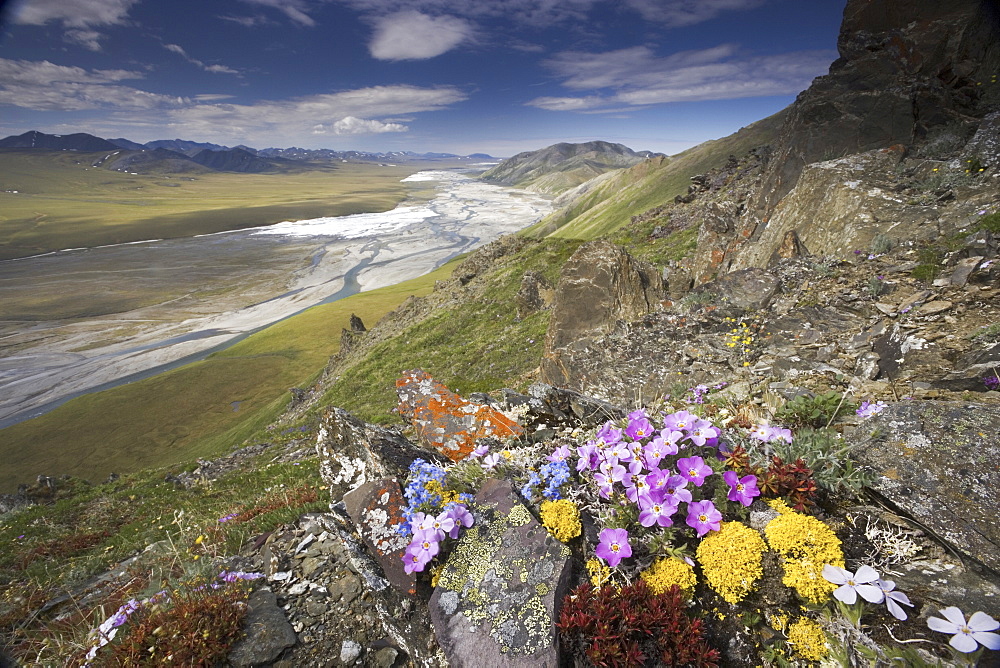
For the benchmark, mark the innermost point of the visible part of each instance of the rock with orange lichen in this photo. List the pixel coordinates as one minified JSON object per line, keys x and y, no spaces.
{"x":445,"y":421}
{"x":376,"y":509}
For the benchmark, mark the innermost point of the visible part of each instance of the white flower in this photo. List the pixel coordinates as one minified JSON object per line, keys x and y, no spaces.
{"x":852,"y":584}
{"x":893,"y":598}
{"x":968,"y":635}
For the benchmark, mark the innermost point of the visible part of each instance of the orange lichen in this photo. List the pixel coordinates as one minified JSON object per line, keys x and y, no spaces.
{"x":444,"y":420}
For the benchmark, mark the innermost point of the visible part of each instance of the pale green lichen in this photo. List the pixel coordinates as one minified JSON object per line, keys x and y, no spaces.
{"x":479,"y":578}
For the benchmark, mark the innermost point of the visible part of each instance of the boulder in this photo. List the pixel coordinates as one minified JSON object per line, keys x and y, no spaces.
{"x":600,"y":285}
{"x":936,"y":461}
{"x":495,"y":602}
{"x":352,"y":453}
{"x":268,"y":633}
{"x":376,"y":510}
{"x":444,"y":421}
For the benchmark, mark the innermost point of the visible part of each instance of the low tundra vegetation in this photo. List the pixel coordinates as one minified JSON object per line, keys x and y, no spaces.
{"x":705,"y":525}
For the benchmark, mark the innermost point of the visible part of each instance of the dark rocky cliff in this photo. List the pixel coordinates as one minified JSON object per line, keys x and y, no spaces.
{"x":906,"y":67}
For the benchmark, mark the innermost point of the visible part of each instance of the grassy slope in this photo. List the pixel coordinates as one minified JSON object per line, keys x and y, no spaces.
{"x":188,"y":412}
{"x":652,"y":183}
{"x":470,"y":346}
{"x":62,"y":202}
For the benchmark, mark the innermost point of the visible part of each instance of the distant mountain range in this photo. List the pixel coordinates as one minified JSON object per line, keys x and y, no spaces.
{"x":179,"y":155}
{"x":560,"y":167}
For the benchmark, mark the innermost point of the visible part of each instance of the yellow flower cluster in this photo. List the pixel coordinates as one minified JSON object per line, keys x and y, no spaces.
{"x":731,"y":560}
{"x":447,"y":495}
{"x":807,"y":639}
{"x":806,"y":544}
{"x":599,"y":573}
{"x":669,"y":571}
{"x":562,"y":519}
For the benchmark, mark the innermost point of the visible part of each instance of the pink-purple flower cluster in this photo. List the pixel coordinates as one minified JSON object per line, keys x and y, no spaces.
{"x":428,"y":532}
{"x":655,"y":468}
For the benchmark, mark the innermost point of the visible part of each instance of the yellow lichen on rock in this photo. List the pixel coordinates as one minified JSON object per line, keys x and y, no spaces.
{"x":807,"y":639}
{"x":731,"y":560}
{"x":806,"y":545}
{"x":562,"y":519}
{"x":669,"y":571}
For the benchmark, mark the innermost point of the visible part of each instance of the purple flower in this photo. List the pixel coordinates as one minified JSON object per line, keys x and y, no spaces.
{"x":703,"y":517}
{"x":639,"y":428}
{"x":893,"y":598}
{"x":702,"y":432}
{"x":233,"y":576}
{"x":852,"y":584}
{"x":620,"y":452}
{"x":614,"y":546}
{"x":461,"y":517}
{"x":588,"y":457}
{"x":226,"y":518}
{"x":969,"y":635}
{"x":868,"y":409}
{"x":607,"y":435}
{"x":991,"y":382}
{"x":638,"y":487}
{"x":680,"y":421}
{"x":761,"y":432}
{"x":694,"y":469}
{"x":559,"y":454}
{"x":656,"y":510}
{"x":491,"y":461}
{"x":779,"y":434}
{"x":741,"y":489}
{"x":479,"y":451}
{"x":424,"y":547}
{"x":674,"y":486}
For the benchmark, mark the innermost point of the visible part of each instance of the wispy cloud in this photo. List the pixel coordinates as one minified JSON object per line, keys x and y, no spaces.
{"x":680,"y":13}
{"x":352,"y":112}
{"x":45,"y":86}
{"x":297,"y":11}
{"x":637,"y":77}
{"x":215,"y":69}
{"x":410,"y":35}
{"x":79,"y":18}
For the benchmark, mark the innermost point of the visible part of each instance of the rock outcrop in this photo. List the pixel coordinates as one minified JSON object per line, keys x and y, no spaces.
{"x":937,"y":462}
{"x":600,"y":285}
{"x":905,"y":68}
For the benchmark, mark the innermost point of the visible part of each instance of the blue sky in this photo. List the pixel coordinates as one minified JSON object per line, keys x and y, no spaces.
{"x":462,"y":76}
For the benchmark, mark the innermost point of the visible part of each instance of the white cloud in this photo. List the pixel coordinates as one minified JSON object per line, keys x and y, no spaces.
{"x":78,"y":17}
{"x":351,"y":125}
{"x":410,"y":35}
{"x":295,"y":10}
{"x":636,"y":77}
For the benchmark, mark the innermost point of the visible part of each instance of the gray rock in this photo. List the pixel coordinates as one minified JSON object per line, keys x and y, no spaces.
{"x":495,"y":600}
{"x":349,"y":652}
{"x":936,"y":461}
{"x":385,"y":657}
{"x":268,"y":633}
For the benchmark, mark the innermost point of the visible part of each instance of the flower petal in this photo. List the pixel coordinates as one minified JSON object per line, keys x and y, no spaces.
{"x":895,"y":610}
{"x":954,"y":615}
{"x":871,"y":593}
{"x":980,"y":621}
{"x":940,"y":625}
{"x":963,"y":643}
{"x":835,"y":574}
{"x":987,"y":639}
{"x":866,"y":574}
{"x":846,"y":594}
